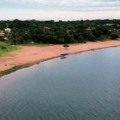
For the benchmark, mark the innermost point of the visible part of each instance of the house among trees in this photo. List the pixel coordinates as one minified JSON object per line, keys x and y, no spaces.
{"x":2,"y":34}
{"x":88,"y":29}
{"x":109,"y":24}
{"x":61,"y":32}
{"x":46,"y":28}
{"x":8,"y":30}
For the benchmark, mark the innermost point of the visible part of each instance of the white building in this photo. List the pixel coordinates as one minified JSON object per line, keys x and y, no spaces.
{"x":7,"y":30}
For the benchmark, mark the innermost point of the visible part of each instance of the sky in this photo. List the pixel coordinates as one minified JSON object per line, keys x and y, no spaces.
{"x":59,"y":9}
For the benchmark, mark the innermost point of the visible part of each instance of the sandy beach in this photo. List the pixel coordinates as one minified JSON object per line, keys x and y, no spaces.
{"x":32,"y":55}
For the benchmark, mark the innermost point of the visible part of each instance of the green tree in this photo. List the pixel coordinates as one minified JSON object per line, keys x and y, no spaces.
{"x":114,"y":36}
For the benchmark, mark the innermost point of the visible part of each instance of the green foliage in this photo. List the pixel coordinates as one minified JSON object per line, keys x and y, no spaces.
{"x":88,"y":35}
{"x":6,"y":48}
{"x":8,"y":71}
{"x":61,"y":32}
{"x":66,"y":45}
{"x":114,"y":36}
{"x":3,"y":45}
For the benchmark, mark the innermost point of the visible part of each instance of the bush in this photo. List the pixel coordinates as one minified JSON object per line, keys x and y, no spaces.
{"x":114,"y":36}
{"x":66,"y":45}
{"x":3,"y":45}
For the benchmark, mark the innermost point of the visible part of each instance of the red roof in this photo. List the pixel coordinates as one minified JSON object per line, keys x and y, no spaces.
{"x":2,"y":34}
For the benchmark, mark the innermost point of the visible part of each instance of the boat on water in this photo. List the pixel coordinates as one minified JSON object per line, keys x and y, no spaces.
{"x":64,"y":55}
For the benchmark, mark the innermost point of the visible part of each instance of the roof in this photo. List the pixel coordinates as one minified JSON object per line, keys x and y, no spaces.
{"x":89,"y":29}
{"x":46,"y":27}
{"x":2,"y":34}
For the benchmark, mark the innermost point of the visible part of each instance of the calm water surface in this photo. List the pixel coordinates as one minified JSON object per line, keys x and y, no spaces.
{"x":82,"y":87}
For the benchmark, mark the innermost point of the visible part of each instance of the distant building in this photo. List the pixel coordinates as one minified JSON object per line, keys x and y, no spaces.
{"x":88,"y":29}
{"x":7,"y":30}
{"x":46,"y":28}
{"x":109,"y":24}
{"x":2,"y":34}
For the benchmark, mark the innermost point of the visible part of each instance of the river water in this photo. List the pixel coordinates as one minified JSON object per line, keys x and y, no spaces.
{"x":84,"y":86}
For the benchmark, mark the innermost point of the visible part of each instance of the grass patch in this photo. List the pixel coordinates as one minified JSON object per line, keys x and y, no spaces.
{"x":5,"y":48}
{"x":103,"y":39}
{"x":15,"y":68}
{"x":36,"y":44}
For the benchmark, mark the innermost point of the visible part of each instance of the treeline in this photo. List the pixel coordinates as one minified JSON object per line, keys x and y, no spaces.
{"x":61,"y":32}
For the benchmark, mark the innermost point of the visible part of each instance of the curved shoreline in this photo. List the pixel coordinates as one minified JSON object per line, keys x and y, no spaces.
{"x":25,"y":57}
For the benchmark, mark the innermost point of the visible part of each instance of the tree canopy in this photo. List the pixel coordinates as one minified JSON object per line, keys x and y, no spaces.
{"x":61,"y":32}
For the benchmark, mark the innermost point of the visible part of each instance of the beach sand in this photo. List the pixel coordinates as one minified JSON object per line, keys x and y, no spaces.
{"x":32,"y":55}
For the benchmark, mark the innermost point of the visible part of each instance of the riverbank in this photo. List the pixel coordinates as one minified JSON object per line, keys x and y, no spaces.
{"x":27,"y":55}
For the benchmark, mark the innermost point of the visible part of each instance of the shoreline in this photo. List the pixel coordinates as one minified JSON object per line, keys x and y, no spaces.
{"x":28,"y":56}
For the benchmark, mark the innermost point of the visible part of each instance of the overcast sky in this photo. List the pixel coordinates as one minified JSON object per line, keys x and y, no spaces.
{"x":59,"y":9}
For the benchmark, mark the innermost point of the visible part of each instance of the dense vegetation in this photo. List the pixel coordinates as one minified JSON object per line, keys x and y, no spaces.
{"x":61,"y":32}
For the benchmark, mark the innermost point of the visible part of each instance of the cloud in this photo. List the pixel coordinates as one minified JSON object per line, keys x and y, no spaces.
{"x":63,"y":5}
{"x":59,"y":9}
